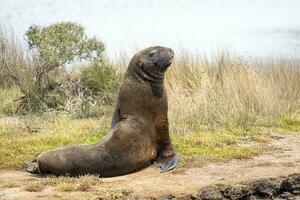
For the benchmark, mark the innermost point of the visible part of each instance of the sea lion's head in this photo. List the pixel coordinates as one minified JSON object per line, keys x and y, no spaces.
{"x":152,"y":62}
{"x":155,"y":59}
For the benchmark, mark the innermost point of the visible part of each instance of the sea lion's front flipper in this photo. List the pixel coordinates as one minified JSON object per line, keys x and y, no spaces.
{"x":168,"y":163}
{"x":33,"y":167}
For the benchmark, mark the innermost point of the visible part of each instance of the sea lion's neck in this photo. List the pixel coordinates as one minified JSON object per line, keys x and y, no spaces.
{"x":142,"y":74}
{"x":155,"y":81}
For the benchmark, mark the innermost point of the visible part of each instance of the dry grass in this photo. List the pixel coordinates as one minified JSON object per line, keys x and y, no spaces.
{"x":35,"y":186}
{"x":231,"y":92}
{"x":16,"y":62}
{"x":82,"y":183}
{"x":62,"y":183}
{"x":10,"y":184}
{"x":85,"y":187}
{"x":7,"y":100}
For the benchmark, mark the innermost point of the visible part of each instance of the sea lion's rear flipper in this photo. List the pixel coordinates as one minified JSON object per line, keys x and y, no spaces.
{"x":168,"y":163}
{"x":33,"y":167}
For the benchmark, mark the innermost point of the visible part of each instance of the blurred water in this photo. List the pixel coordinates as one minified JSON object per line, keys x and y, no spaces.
{"x":255,"y":28}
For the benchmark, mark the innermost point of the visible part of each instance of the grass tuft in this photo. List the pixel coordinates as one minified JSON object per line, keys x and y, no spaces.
{"x":82,"y":183}
{"x":33,"y":187}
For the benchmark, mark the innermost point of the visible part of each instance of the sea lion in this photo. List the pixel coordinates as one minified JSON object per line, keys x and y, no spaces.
{"x":139,"y":130}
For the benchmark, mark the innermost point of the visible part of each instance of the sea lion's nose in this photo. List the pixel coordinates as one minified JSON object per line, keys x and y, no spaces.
{"x":170,"y":52}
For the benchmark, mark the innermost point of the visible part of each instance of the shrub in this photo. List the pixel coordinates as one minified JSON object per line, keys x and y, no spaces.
{"x":62,"y":43}
{"x":38,"y":71}
{"x":100,"y":80}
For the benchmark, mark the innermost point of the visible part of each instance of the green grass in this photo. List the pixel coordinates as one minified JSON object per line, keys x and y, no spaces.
{"x":22,"y":138}
{"x":199,"y":147}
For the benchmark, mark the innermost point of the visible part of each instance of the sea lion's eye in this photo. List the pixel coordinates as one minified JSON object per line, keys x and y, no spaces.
{"x":151,"y":53}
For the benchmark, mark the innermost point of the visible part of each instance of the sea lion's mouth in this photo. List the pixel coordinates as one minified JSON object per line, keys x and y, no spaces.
{"x":167,"y":64}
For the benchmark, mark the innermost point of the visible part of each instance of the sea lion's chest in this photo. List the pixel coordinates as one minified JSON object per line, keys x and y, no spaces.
{"x":138,"y":98}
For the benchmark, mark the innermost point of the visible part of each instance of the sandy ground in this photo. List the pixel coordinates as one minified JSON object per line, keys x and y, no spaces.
{"x":284,"y":160}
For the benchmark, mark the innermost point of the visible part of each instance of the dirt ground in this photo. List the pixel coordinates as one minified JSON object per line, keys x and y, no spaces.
{"x":283,"y":161}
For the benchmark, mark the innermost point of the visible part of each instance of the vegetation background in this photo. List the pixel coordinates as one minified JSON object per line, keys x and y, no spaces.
{"x":220,"y":108}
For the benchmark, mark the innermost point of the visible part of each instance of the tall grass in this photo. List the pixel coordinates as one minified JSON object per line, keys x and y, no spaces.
{"x":231,"y":92}
{"x":222,"y":92}
{"x":8,"y":96}
{"x":18,"y":66}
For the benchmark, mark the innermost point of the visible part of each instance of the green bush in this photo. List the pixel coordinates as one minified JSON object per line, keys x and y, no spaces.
{"x":100,"y":80}
{"x":62,"y":43}
{"x":38,"y":72}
